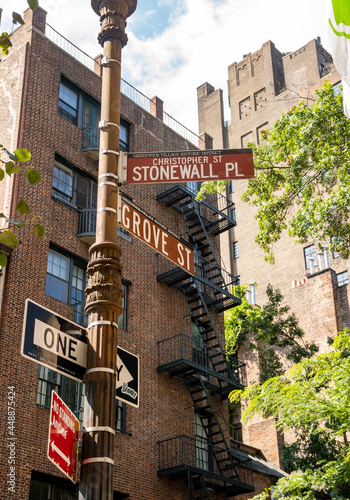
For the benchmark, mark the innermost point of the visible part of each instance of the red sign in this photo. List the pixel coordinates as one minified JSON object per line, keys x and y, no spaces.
{"x":63,"y":437}
{"x":156,"y":237}
{"x":188,"y":166}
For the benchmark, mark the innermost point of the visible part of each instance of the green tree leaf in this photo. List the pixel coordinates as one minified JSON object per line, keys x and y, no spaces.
{"x":5,"y":43}
{"x":9,"y":238}
{"x":39,"y":231}
{"x":2,"y":174}
{"x":32,"y":175}
{"x":12,"y":168}
{"x":16,"y":18}
{"x":33,"y":4}
{"x":3,"y":260}
{"x":22,"y":207}
{"x":22,"y":155}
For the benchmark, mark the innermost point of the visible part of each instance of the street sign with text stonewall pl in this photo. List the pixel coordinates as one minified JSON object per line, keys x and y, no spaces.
{"x":63,"y":437}
{"x":186,"y":166}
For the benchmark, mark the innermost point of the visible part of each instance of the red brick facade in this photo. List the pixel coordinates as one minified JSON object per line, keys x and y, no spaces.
{"x":30,"y":79}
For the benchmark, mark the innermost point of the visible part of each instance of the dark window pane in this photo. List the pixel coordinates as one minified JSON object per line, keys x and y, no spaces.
{"x":68,"y":104}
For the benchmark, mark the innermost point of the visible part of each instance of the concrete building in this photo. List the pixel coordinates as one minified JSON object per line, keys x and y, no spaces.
{"x":176,"y":445}
{"x":260,"y":88}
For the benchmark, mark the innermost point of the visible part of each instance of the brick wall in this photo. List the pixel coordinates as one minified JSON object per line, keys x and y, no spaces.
{"x":155,"y":312}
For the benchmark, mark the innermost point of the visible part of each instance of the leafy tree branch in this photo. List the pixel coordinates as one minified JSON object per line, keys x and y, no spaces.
{"x":12,"y":164}
{"x":312,"y":399}
{"x":267,"y":328}
{"x":302,"y":176}
{"x":5,"y":42}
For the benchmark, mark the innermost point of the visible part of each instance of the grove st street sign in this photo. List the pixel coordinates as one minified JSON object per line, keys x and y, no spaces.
{"x":63,"y":437}
{"x":185,"y":166}
{"x":156,"y":237}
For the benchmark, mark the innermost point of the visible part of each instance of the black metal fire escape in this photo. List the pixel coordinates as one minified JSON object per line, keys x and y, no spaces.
{"x":201,"y":362}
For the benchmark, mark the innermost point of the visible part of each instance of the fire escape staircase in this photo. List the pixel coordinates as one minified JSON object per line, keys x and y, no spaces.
{"x":224,"y":461}
{"x":202,"y":363}
{"x":197,"y":489}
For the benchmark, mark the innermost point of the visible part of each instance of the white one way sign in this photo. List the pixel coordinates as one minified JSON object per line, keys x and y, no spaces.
{"x":58,"y":343}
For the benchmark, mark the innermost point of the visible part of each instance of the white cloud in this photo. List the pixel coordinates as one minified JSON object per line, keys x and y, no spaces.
{"x":202,"y":38}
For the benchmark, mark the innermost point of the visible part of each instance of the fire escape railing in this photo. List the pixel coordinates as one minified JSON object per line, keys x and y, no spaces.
{"x":181,"y":452}
{"x":181,"y":353}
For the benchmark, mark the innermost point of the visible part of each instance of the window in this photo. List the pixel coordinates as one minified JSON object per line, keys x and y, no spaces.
{"x":74,"y":187}
{"x":231,"y":187}
{"x":260,"y":99}
{"x":309,"y":252}
{"x":202,"y":443}
{"x":62,"y":183}
{"x":343,"y":278}
{"x":68,"y":103}
{"x":120,"y":416}
{"x":337,"y":87}
{"x":245,"y":108}
{"x":235,"y":250}
{"x":245,"y":139}
{"x":85,"y":112}
{"x":261,"y":130}
{"x":90,"y":120}
{"x":233,"y":215}
{"x":45,"y":487}
{"x":66,"y":281}
{"x":122,"y":320}
{"x":238,"y":433}
{"x":124,"y":139}
{"x":334,"y":241}
{"x":238,"y":281}
{"x":71,"y":391}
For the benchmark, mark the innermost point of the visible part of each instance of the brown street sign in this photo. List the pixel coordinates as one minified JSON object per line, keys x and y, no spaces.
{"x":185,"y":166}
{"x":156,"y":237}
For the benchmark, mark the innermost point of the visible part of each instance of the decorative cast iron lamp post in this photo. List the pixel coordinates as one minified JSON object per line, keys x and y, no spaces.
{"x":104,"y":290}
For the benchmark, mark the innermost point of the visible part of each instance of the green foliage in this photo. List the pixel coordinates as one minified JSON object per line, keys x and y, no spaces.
{"x":5,"y":42}
{"x":210,"y":187}
{"x":312,"y":399}
{"x":267,"y":328}
{"x":12,"y":165}
{"x":302,"y":175}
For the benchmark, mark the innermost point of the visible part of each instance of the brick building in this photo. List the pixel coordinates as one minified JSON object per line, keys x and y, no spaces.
{"x":176,"y":444}
{"x":260,"y":88}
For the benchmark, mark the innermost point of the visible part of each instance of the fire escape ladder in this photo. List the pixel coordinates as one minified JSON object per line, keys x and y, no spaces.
{"x":200,"y":314}
{"x":222,"y":457}
{"x":197,"y":489}
{"x":198,"y":232}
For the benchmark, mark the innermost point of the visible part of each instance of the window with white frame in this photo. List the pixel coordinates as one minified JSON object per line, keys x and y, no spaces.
{"x":343,"y":278}
{"x":66,"y":281}
{"x":235,"y":250}
{"x":309,"y":253}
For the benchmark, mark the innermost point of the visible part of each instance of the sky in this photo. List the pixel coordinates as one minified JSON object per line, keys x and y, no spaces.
{"x":177,"y":45}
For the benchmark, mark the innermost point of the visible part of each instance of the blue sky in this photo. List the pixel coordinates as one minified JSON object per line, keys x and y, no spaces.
{"x":176,"y":45}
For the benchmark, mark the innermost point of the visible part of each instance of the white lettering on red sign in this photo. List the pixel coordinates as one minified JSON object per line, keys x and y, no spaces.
{"x":151,"y":233}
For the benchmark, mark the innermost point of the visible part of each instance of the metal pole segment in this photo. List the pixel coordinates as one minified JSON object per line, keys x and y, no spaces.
{"x":104,"y":290}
